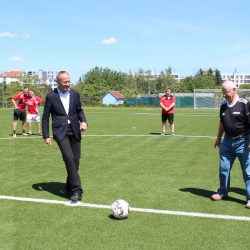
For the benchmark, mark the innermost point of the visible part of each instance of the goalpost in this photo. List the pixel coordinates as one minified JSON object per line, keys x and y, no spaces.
{"x":212,"y":98}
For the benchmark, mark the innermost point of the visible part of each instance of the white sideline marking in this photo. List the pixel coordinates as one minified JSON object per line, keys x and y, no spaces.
{"x":143,"y":135}
{"x":21,"y":137}
{"x":180,"y":114}
{"x":186,"y":136}
{"x":142,"y":210}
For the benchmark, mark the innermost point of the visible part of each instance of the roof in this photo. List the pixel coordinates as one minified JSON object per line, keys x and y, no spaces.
{"x":12,"y":74}
{"x":117,"y":94}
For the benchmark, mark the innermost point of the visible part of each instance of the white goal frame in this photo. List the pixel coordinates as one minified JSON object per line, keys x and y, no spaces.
{"x":212,"y":98}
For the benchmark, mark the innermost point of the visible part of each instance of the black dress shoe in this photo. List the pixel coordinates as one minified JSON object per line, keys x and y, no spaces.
{"x":76,"y":196}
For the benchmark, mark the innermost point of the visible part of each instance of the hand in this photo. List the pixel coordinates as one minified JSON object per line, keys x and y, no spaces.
{"x":248,"y":147}
{"x":217,"y":142}
{"x":48,"y":141}
{"x":83,"y":126}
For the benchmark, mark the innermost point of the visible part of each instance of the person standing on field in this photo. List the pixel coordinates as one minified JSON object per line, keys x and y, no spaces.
{"x":33,"y":113}
{"x":167,"y":103}
{"x":68,"y":120}
{"x":18,"y":101}
{"x":235,"y":124}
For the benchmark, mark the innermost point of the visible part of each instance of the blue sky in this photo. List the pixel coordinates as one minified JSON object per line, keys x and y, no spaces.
{"x":125,"y":35}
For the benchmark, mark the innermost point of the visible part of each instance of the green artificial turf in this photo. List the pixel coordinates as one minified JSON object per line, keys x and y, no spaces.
{"x":123,"y":157}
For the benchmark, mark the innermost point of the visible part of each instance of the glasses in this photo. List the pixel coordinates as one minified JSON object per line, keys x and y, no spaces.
{"x":66,"y":82}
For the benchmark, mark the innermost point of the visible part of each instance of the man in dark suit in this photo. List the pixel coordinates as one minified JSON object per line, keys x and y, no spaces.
{"x":68,"y":120}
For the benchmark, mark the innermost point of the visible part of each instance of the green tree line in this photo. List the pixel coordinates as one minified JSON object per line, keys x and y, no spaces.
{"x":99,"y":81}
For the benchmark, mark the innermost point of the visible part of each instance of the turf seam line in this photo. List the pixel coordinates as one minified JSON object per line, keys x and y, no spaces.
{"x":142,"y":210}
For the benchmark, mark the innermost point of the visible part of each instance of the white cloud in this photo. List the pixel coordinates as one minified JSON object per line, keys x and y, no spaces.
{"x":14,"y":35}
{"x":15,"y":58}
{"x":108,"y":41}
{"x":8,"y":34}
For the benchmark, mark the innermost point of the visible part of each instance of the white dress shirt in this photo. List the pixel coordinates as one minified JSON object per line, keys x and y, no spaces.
{"x":65,"y":98}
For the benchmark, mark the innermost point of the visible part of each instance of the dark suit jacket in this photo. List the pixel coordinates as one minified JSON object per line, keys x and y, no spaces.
{"x":54,"y":106}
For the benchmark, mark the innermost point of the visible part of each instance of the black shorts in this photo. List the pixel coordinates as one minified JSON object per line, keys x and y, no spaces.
{"x":169,"y":117}
{"x":19,"y":114}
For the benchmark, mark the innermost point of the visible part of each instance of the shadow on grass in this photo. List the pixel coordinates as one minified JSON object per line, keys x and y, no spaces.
{"x":207,"y":193}
{"x":56,"y":188}
{"x":112,"y":217}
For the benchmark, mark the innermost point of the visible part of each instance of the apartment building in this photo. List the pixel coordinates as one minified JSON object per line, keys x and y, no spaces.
{"x":46,"y":76}
{"x":237,"y":78}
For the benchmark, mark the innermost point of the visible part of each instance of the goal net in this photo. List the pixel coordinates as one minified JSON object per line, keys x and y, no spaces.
{"x":212,"y":98}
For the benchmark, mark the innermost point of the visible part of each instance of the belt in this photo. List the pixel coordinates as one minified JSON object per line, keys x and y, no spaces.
{"x":237,"y":137}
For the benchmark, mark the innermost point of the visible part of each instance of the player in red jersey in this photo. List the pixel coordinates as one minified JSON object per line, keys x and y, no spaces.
{"x":33,"y":112}
{"x":167,"y":103}
{"x":19,"y":110}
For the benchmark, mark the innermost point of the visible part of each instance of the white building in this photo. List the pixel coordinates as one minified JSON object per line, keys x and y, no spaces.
{"x":10,"y":76}
{"x":47,"y":76}
{"x":237,"y":78}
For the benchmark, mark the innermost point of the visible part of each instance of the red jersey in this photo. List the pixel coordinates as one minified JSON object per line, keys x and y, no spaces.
{"x":32,"y":103}
{"x":167,"y":100}
{"x":20,"y":99}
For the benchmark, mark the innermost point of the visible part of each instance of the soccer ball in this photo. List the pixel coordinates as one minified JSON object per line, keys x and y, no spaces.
{"x":120,"y":209}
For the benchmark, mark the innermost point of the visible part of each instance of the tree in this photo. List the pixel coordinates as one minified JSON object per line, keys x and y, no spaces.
{"x":186,"y":85}
{"x":160,"y":83}
{"x":217,"y":78}
{"x":98,"y":82}
{"x":203,"y":82}
{"x":197,"y":82}
{"x":244,"y":86}
{"x":169,"y":80}
{"x":168,"y":71}
{"x":27,"y":79}
{"x":200,"y":72}
{"x":210,"y":72}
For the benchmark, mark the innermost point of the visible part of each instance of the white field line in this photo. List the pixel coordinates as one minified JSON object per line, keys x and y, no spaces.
{"x":141,"y":210}
{"x":186,"y":114}
{"x":121,"y":135}
{"x":185,"y":136}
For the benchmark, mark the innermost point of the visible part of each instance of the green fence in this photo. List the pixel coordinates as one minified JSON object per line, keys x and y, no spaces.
{"x":181,"y":101}
{"x":142,"y":101}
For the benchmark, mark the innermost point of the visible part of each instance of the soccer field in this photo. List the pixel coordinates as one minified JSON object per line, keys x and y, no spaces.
{"x":167,"y":181}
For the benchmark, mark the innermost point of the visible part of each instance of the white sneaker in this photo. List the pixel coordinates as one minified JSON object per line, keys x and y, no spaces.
{"x":248,"y":205}
{"x":163,"y":134}
{"x":216,"y":197}
{"x":14,"y":135}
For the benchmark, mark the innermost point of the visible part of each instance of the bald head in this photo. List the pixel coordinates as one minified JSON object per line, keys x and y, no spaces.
{"x":229,"y":85}
{"x":229,"y":91}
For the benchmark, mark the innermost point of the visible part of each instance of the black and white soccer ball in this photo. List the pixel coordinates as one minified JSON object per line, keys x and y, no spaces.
{"x":120,"y":209}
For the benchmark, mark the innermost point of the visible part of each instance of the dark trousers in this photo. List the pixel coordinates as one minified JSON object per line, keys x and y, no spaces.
{"x":71,"y":152}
